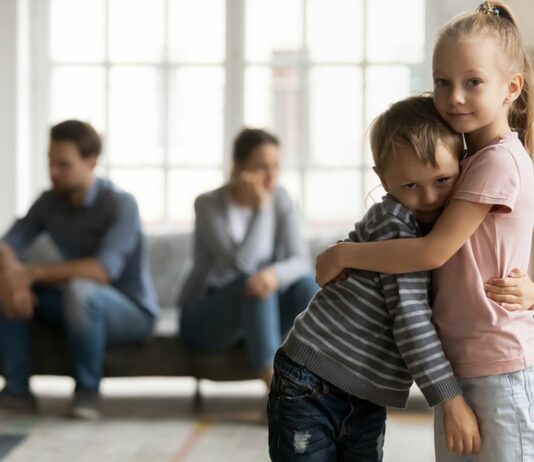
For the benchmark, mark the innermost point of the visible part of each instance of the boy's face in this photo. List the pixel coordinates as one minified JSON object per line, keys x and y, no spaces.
{"x":421,"y":187}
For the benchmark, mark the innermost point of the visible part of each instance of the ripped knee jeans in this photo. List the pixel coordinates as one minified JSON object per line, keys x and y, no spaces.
{"x":311,"y":420}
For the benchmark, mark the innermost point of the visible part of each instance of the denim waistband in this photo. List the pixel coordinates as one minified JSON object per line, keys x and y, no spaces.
{"x":301,"y":373}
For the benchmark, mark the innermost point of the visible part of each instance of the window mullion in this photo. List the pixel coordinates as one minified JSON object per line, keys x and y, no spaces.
{"x":234,"y":95}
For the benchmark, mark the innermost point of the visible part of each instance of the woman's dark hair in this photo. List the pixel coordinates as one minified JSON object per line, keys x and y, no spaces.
{"x":249,"y":139}
{"x":83,"y":135}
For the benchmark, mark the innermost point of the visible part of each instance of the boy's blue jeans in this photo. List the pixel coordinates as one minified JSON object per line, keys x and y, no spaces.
{"x":222,"y":317}
{"x":311,"y":420}
{"x":92,"y":316}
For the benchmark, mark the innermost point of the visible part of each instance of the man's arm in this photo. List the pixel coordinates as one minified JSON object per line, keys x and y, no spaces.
{"x":53,"y":273}
{"x":16,"y":300}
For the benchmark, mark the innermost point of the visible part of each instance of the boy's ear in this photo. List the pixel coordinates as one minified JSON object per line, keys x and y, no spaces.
{"x":514,"y":87}
{"x":382,"y":180}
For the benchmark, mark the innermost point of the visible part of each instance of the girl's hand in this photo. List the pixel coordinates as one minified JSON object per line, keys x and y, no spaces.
{"x":516,"y":292}
{"x":327,"y":268}
{"x":461,"y":427}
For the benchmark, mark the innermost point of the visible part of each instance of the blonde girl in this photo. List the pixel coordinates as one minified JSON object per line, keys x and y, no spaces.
{"x":482,"y":88}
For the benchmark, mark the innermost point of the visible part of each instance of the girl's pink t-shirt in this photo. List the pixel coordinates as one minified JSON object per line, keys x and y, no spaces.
{"x":479,"y":336}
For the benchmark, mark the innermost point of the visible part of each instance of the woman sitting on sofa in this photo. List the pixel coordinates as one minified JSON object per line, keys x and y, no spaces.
{"x":251,"y":273}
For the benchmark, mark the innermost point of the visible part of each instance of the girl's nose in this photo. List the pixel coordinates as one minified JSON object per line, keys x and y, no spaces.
{"x":457,"y":96}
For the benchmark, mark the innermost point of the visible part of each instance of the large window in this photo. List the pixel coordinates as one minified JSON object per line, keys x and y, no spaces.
{"x":169,"y":82}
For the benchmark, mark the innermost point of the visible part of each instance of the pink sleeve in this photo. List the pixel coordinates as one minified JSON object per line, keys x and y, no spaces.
{"x":491,"y":178}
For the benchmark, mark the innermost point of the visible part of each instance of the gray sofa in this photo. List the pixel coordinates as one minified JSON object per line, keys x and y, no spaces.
{"x":163,"y":354}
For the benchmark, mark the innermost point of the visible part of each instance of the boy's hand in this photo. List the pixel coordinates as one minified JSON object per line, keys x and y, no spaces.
{"x":327,"y":267}
{"x":516,"y":292}
{"x":461,"y":427}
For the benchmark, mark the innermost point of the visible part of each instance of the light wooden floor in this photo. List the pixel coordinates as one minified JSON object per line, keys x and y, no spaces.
{"x":151,"y":420}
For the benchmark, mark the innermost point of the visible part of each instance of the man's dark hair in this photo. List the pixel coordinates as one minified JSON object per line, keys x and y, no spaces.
{"x":83,"y":135}
{"x":247,"y":140}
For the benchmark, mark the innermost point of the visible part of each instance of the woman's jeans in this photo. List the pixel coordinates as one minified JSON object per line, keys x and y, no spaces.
{"x":91,"y":315}
{"x":223,"y":317}
{"x":504,"y":406}
{"x":311,"y":420}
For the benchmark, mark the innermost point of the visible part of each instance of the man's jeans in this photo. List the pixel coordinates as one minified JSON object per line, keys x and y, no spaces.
{"x":223,"y":317}
{"x":311,"y":420}
{"x":92,"y":316}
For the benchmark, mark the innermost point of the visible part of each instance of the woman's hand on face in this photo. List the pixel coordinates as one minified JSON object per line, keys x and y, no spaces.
{"x":262,"y":284}
{"x":327,"y":268}
{"x":515,"y":292}
{"x":248,"y":189}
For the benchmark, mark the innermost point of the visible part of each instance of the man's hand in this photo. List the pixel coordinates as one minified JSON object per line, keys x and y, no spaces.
{"x":16,"y":298}
{"x":515,"y":292}
{"x":327,"y":268}
{"x":461,"y":427}
{"x":262,"y":284}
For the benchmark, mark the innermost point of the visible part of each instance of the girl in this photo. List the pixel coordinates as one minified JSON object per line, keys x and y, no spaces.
{"x":482,"y":82}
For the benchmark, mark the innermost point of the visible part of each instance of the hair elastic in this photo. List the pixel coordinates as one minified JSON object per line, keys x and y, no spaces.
{"x":489,"y":9}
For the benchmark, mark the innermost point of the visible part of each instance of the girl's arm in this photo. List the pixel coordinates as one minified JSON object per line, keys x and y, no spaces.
{"x":454,"y":227}
{"x":515,"y":292}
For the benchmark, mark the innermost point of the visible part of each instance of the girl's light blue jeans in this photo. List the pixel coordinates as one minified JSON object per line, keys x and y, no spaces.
{"x":504,"y":406}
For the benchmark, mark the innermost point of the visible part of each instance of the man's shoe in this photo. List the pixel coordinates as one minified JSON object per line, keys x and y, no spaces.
{"x":17,"y":402}
{"x":85,"y":405}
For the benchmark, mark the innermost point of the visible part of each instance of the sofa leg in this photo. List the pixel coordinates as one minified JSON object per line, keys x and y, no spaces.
{"x":197,"y":399}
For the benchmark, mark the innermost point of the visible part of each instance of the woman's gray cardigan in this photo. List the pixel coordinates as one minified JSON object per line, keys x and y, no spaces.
{"x":212,"y":242}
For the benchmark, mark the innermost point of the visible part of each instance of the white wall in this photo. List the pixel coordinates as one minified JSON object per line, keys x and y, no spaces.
{"x":7,"y":110}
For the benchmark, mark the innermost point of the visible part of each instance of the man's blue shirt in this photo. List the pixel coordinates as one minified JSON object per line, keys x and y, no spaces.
{"x":106,"y":226}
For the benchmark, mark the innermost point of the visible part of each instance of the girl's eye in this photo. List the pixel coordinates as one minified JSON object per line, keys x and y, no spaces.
{"x":409,"y":186}
{"x":474,"y":82}
{"x":440,"y":83}
{"x":442,"y":180}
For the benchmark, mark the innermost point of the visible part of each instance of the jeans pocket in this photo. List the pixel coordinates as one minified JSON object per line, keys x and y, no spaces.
{"x":291,"y":389}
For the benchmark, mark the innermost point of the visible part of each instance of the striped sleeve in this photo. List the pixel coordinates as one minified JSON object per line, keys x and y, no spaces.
{"x":406,"y":297}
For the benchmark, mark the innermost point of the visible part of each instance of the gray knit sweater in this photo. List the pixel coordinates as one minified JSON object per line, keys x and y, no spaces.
{"x":372,"y":334}
{"x":214,"y":247}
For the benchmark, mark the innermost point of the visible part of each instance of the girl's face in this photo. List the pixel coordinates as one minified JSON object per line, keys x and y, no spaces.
{"x":471,"y":92}
{"x":263,"y":160}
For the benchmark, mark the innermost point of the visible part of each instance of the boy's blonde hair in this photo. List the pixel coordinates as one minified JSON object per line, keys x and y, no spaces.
{"x":411,"y":122}
{"x":495,"y":20}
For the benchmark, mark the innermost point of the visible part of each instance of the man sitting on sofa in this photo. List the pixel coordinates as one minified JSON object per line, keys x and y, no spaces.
{"x":100,"y":293}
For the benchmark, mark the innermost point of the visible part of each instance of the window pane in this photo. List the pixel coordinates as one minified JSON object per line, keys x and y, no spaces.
{"x":291,"y":180}
{"x":272,"y":26}
{"x":196,"y":30}
{"x":77,"y":30}
{"x":78,"y":93}
{"x":405,"y":26}
{"x":136,"y":30}
{"x":335,"y":30}
{"x":136,"y":114}
{"x":184,"y":186}
{"x":373,"y":189}
{"x":385,"y":85}
{"x":335,"y":116}
{"x":196,"y":116}
{"x":333,"y":197}
{"x":272,"y":102}
{"x":147,"y":187}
